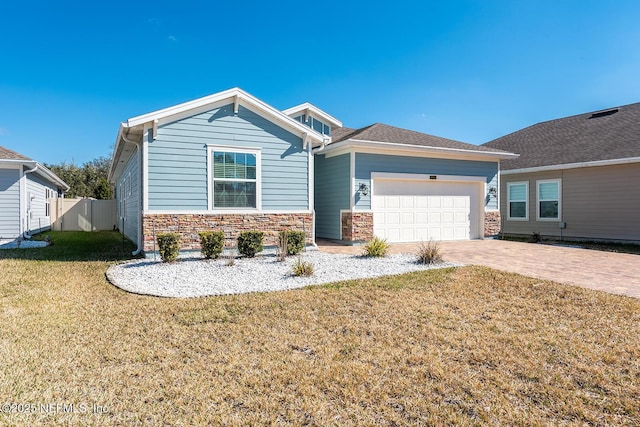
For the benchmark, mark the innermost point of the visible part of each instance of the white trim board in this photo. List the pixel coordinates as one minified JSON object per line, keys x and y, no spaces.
{"x":427,"y":177}
{"x":223,"y":212}
{"x":391,"y":148}
{"x":230,"y":149}
{"x":594,"y":163}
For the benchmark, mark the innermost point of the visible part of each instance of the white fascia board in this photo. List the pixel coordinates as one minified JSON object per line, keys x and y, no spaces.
{"x":594,"y":163}
{"x":235,"y":95}
{"x":40,"y":170}
{"x":427,"y":177}
{"x":215,"y":212}
{"x":51,"y":177}
{"x":315,"y":112}
{"x":364,"y":146}
{"x":16,"y":163}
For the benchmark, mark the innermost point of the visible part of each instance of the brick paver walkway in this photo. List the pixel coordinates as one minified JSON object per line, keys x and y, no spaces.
{"x":605,"y":271}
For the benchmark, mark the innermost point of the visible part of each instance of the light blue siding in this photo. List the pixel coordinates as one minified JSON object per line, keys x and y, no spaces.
{"x":178,"y":160}
{"x":129,"y":201}
{"x":332,"y":182}
{"x":367,"y":163}
{"x":36,"y":212}
{"x":9,"y":203}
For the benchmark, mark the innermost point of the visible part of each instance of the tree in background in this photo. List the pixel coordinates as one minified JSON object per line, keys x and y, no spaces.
{"x":88,"y":180}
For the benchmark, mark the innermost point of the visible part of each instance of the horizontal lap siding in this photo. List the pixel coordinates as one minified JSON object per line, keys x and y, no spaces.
{"x":597,"y":203}
{"x":38,"y":220}
{"x":332,"y":183}
{"x":131,"y":212}
{"x":9,"y":203}
{"x":178,"y":160}
{"x":368,"y":163}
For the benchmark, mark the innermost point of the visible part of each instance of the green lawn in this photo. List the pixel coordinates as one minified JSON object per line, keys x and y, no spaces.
{"x":466,"y":346}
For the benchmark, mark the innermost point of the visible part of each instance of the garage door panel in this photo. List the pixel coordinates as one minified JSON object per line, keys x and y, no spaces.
{"x":447,"y":218}
{"x":408,"y":219}
{"x":393,"y":218}
{"x":460,"y":217}
{"x":409,"y":211}
{"x":421,"y":217}
{"x":407,"y":202}
{"x":447,"y":202}
{"x":392,"y":202}
{"x":461,"y":202}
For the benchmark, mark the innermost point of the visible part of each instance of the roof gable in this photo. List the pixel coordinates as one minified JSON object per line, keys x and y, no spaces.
{"x":312,"y":110}
{"x":609,"y":134}
{"x":385,"y":134}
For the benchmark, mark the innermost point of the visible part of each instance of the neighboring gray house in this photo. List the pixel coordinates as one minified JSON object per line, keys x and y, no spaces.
{"x":577,"y":177}
{"x":25,"y":189}
{"x":230,"y":161}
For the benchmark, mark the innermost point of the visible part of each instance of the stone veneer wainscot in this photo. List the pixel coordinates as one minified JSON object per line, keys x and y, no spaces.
{"x":357,"y":226}
{"x":188,"y":226}
{"x":491,"y":223}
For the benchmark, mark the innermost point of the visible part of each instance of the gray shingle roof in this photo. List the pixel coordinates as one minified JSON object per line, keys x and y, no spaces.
{"x":601,"y":135}
{"x":5,"y":153}
{"x":384,"y":133}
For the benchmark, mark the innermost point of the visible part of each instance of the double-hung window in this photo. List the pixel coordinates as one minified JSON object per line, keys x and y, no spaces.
{"x":517,"y":200}
{"x":235,"y":181}
{"x":548,"y":208}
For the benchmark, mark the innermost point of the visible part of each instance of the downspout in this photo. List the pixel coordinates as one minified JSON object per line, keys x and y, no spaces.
{"x":26,"y":234}
{"x":138,"y":147}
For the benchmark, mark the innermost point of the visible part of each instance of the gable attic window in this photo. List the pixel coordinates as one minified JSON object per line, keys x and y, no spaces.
{"x":603,"y":113}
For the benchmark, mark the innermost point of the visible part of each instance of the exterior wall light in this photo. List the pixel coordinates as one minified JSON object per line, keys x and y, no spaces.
{"x":364,"y":189}
{"x":493,"y":191}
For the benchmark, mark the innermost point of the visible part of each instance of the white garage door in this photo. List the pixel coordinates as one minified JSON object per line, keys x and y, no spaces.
{"x":420,"y":210}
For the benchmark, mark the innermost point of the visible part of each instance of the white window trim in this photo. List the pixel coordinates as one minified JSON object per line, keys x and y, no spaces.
{"x":526,"y":201}
{"x":547,"y":181}
{"x":231,"y":149}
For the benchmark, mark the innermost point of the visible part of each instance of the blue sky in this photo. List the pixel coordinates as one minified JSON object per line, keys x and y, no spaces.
{"x":70,"y":72}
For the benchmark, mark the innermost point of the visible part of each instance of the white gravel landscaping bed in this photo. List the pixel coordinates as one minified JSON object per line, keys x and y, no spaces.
{"x":196,"y":276}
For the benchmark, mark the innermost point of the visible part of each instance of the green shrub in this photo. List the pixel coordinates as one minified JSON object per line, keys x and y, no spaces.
{"x":295,"y":241}
{"x":169,"y":246}
{"x":211,"y":243}
{"x":429,"y":252}
{"x":250,"y":243}
{"x":376,"y":248}
{"x":302,"y":268}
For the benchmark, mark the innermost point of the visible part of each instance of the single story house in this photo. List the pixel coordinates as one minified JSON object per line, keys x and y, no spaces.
{"x":25,"y":189}
{"x":577,"y":177}
{"x":230,"y":161}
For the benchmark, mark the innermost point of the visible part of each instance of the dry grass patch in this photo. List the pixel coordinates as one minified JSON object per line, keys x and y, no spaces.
{"x":456,"y":346}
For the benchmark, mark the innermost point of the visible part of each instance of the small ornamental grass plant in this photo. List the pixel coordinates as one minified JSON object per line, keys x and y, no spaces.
{"x":168,"y":246}
{"x":302,"y":268}
{"x":429,"y":252}
{"x":376,"y":248}
{"x":250,"y":243}
{"x":211,"y":243}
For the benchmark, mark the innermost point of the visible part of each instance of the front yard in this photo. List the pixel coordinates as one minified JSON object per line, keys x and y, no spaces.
{"x":455,"y":346}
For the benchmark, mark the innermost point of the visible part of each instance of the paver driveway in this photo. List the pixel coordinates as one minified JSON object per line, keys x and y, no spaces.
{"x":606,"y":271}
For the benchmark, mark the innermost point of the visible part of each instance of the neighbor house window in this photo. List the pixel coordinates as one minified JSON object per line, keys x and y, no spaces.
{"x":235,"y":178}
{"x":47,"y":203}
{"x":517,"y":203}
{"x":548,"y":200}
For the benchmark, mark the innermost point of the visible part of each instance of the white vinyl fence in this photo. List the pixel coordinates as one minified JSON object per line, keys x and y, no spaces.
{"x":83,"y":214}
